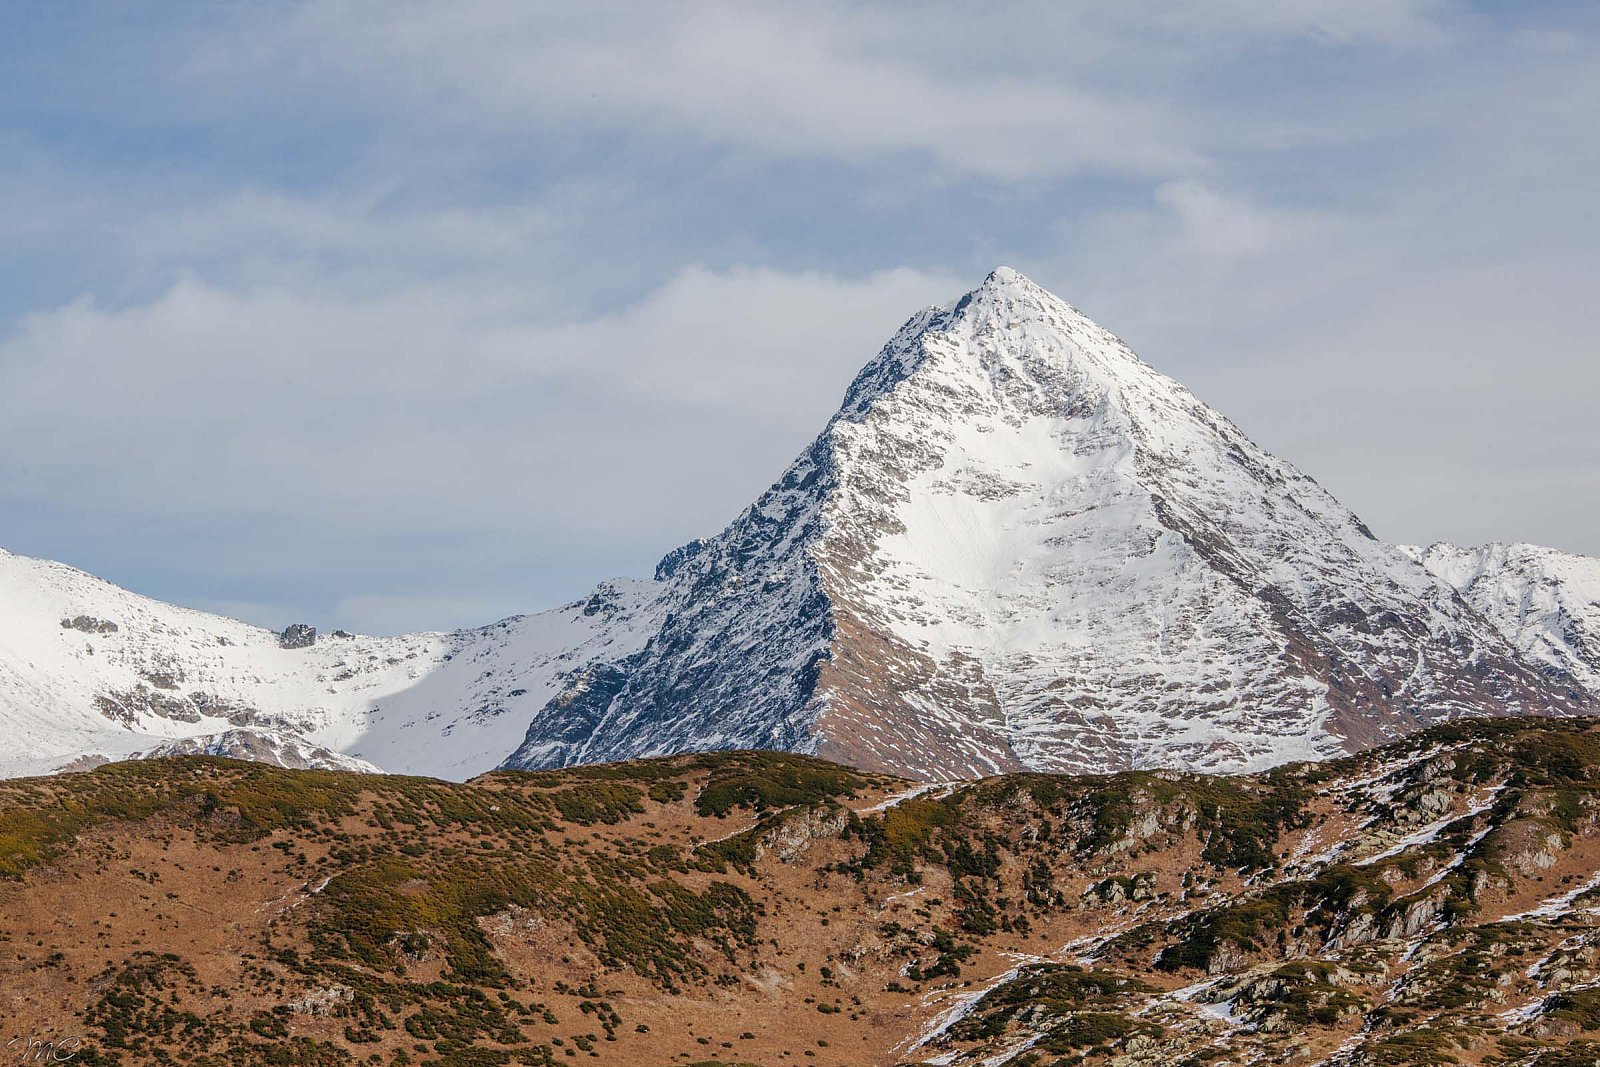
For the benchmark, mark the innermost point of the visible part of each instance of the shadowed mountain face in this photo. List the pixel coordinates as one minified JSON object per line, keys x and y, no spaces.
{"x":1432,"y":901}
{"x":1016,"y":546}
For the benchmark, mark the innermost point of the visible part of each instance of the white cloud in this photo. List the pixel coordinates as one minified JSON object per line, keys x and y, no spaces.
{"x":1195,"y":257}
{"x":272,"y":614}
{"x":1400,"y":23}
{"x":1019,"y":90}
{"x":264,"y":223}
{"x":414,"y":273}
{"x":779,"y":346}
{"x":828,"y":81}
{"x":440,"y":408}
{"x":1441,"y":395}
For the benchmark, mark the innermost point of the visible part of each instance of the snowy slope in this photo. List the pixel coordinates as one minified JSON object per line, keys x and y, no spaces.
{"x":1547,"y":603}
{"x":1018,"y":546}
{"x":132,"y":673}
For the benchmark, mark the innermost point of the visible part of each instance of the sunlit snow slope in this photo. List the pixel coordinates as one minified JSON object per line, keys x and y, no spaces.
{"x":88,"y":669}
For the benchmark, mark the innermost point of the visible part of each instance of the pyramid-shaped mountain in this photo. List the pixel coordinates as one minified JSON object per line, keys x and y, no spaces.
{"x":1016,"y":546}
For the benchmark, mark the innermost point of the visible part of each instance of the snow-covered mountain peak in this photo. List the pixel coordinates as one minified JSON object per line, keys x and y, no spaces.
{"x":1022,"y":326}
{"x":1015,"y":546}
{"x":1007,"y":284}
{"x":1004,"y":276}
{"x":1012,"y":350}
{"x":1018,"y":545}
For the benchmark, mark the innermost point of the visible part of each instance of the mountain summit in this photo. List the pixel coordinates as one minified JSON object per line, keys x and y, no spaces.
{"x":1015,"y":546}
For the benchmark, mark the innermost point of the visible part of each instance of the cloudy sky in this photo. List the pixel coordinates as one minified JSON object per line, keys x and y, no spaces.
{"x":394,"y":315}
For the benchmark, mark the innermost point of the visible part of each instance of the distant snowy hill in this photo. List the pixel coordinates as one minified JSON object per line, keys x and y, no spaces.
{"x":1016,"y":546}
{"x":1547,"y":603}
{"x":88,"y":669}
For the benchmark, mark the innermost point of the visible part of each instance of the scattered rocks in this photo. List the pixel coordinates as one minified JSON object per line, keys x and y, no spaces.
{"x":167,"y":680}
{"x":88,"y":624}
{"x":1416,"y":917}
{"x":674,"y":560}
{"x":1119,"y":889}
{"x":128,"y":706}
{"x":514,"y":921}
{"x":416,"y":946}
{"x":1227,"y":957}
{"x":327,"y":1000}
{"x":83,"y":763}
{"x":260,"y":746}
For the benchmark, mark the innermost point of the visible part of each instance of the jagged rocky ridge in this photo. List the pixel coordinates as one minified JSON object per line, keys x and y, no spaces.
{"x":1016,"y":546}
{"x":1433,"y":901}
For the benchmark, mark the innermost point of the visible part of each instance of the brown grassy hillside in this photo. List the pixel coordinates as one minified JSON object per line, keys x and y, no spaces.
{"x":1431,"y":902}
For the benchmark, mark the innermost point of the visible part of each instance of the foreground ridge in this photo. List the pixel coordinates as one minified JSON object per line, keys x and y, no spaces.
{"x":1434,"y":900}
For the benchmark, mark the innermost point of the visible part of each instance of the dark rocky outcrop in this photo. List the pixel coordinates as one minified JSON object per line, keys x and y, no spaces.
{"x":297,"y":635}
{"x":88,"y":624}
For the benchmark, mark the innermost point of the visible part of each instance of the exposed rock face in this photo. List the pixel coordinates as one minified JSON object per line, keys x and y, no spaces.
{"x":298,"y":635}
{"x":325,"y":1000}
{"x":1018,"y":546}
{"x":129,"y":706}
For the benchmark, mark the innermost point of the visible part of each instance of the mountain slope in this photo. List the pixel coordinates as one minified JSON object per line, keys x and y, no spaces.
{"x":1545,"y":602}
{"x":89,"y":669}
{"x":1018,"y":546}
{"x":1434,"y":901}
